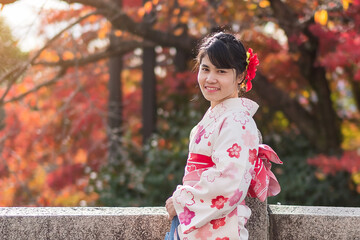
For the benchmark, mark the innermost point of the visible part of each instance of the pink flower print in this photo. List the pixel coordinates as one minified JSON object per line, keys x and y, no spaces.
{"x":186,"y":216}
{"x":218,"y":223}
{"x":211,"y":175}
{"x":241,"y":117}
{"x":235,"y":198}
{"x":224,"y":124}
{"x":249,"y":139}
{"x":224,"y":238}
{"x":204,"y":232}
{"x":200,"y":132}
{"x":252,"y":156}
{"x":230,"y":171}
{"x":185,"y":198}
{"x":234,"y":151}
{"x":218,"y":112}
{"x":248,"y":104}
{"x":248,"y":175}
{"x":190,"y":230}
{"x":218,"y":202}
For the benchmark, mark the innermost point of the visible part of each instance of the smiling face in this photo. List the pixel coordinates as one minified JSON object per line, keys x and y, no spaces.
{"x":217,"y":84}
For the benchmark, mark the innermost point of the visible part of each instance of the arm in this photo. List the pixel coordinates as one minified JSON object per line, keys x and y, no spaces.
{"x":223,"y":186}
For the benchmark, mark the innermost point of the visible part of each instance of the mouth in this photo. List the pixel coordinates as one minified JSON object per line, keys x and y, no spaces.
{"x":211,"y":89}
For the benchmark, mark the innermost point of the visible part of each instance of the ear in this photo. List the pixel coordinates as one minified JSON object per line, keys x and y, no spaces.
{"x":240,"y":78}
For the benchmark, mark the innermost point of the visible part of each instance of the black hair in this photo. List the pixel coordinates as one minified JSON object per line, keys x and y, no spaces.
{"x":224,"y":51}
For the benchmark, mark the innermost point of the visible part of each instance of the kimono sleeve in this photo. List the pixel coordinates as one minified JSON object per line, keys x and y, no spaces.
{"x":223,"y":186}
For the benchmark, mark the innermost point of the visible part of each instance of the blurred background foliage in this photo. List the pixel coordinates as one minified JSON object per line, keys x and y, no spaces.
{"x":75,"y":126}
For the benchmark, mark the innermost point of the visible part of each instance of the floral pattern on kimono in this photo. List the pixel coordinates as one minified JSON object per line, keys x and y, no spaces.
{"x":210,"y":203}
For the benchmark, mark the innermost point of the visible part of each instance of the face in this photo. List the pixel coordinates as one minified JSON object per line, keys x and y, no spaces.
{"x":217,"y":84}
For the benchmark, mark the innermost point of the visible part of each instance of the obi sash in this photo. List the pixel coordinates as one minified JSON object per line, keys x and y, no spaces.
{"x":263,"y":183}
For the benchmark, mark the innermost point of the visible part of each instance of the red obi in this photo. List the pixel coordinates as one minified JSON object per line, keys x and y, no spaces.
{"x":263,"y":183}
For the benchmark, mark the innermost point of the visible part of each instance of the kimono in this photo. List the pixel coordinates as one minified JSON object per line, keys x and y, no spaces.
{"x":223,"y":167}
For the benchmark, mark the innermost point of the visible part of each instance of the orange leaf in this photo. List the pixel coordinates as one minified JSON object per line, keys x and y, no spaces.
{"x":118,"y":33}
{"x":178,"y":31}
{"x":148,"y":7}
{"x":155,"y":2}
{"x":264,"y":4}
{"x":81,"y":156}
{"x":67,"y":55}
{"x":184,"y":18}
{"x":141,"y":12}
{"x":93,"y":19}
{"x":176,"y":11}
{"x":103,"y":31}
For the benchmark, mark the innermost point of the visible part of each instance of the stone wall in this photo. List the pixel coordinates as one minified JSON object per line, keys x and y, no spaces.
{"x":279,"y":222}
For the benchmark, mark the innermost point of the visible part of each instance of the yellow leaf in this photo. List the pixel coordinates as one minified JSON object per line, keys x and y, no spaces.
{"x":251,"y":6}
{"x":67,"y":55}
{"x":346,"y":4}
{"x":321,"y":17}
{"x":264,"y":4}
{"x":38,"y":181}
{"x":356,"y":178}
{"x":306,"y":94}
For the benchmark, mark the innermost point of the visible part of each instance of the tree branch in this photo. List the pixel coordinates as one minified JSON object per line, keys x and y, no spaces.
{"x":15,"y":73}
{"x":122,"y":21}
{"x":280,"y":100}
{"x":47,"y":83}
{"x":122,"y":48}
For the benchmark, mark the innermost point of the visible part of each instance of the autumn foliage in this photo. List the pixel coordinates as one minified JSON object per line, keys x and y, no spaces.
{"x":54,"y":141}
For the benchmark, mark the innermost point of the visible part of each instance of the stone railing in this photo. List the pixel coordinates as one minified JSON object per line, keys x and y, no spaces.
{"x":267,"y":222}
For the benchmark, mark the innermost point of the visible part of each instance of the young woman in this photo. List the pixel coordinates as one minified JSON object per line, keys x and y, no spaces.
{"x":226,"y":161}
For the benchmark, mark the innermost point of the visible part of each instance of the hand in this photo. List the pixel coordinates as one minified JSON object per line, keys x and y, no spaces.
{"x":170,"y":208}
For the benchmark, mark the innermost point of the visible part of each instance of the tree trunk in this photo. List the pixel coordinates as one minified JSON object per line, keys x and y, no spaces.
{"x":326,"y":127}
{"x":115,"y":120}
{"x":149,"y":107}
{"x":148,"y":93}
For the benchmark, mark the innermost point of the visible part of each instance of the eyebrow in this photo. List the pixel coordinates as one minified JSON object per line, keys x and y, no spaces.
{"x":204,"y":65}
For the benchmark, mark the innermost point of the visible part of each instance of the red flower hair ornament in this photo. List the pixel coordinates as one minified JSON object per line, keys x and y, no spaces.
{"x":252,"y":61}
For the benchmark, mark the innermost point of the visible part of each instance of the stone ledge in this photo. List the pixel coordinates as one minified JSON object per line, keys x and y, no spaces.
{"x":81,"y":211}
{"x":302,"y":222}
{"x":80,"y":223}
{"x":22,"y":223}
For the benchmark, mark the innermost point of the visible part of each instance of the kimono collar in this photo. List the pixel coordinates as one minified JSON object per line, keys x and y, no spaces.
{"x":239,"y":104}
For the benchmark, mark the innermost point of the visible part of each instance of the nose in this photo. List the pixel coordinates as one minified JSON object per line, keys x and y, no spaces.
{"x":211,"y":78}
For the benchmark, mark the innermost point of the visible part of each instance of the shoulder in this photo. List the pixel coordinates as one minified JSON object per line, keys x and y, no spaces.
{"x":236,"y":123}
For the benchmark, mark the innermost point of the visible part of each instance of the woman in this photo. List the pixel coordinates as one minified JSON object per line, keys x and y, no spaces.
{"x":225,"y":161}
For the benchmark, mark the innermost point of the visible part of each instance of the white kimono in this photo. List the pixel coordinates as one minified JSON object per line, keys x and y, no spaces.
{"x":222,"y":153}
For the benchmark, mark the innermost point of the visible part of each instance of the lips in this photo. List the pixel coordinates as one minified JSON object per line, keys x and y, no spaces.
{"x":212,"y":89}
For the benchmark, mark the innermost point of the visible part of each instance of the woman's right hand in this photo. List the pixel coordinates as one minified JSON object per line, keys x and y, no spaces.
{"x":170,"y":208}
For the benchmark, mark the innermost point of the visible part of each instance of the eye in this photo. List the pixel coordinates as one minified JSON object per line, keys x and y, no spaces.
{"x":204,"y":69}
{"x":222,"y":71}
